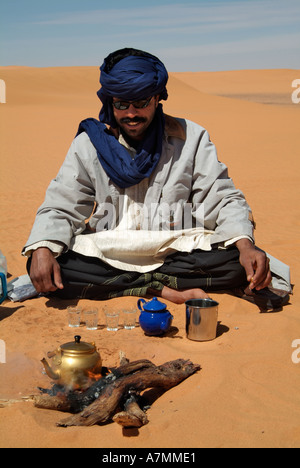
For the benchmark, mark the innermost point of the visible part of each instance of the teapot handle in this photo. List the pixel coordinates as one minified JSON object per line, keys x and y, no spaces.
{"x":51,"y":354}
{"x":139,"y":304}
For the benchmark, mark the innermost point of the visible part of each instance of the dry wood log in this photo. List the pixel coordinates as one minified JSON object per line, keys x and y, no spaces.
{"x":134,"y":366}
{"x":103,"y":408}
{"x":57,"y":402}
{"x":132,"y":416}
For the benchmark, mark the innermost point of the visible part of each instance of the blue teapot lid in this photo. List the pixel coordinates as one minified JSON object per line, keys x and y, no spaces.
{"x":155,"y":305}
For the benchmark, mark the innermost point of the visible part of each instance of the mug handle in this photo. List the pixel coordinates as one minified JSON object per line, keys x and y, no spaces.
{"x":139,"y":304}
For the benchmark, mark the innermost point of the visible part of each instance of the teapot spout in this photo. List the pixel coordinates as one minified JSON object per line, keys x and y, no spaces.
{"x":49,"y":371}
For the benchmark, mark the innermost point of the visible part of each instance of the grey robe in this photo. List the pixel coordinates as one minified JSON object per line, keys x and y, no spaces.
{"x":188,"y":172}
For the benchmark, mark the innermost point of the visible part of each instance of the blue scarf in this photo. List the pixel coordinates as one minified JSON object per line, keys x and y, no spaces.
{"x":115,"y":159}
{"x":132,"y":78}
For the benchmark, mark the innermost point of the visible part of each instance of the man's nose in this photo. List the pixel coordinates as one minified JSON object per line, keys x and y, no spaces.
{"x":132,"y":111}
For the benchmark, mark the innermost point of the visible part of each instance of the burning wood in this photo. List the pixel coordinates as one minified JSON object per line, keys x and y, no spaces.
{"x":116,"y":396}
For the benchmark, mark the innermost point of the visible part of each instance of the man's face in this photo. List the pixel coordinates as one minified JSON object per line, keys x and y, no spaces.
{"x":135,"y":121}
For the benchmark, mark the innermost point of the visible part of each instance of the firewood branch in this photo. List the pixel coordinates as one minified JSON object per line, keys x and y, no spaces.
{"x":133,"y":415}
{"x":106,"y":405}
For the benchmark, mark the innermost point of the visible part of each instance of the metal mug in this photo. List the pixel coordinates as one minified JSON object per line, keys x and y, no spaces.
{"x":201,"y":319}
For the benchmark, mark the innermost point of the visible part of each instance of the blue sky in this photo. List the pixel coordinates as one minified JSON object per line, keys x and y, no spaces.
{"x":192,"y":35}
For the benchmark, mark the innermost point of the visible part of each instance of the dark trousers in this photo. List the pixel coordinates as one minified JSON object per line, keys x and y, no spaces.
{"x":91,"y":278}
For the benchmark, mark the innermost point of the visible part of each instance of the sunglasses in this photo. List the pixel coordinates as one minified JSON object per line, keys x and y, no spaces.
{"x":124,"y":105}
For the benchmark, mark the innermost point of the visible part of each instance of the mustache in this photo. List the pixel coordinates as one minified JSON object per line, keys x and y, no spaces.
{"x":134,"y":120}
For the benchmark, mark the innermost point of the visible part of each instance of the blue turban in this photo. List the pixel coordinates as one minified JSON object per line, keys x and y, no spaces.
{"x":131,"y":79}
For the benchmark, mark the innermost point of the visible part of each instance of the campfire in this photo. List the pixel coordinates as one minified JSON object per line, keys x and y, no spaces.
{"x":116,"y":393}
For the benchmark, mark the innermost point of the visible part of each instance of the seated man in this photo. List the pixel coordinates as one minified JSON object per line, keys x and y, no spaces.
{"x":142,"y":206}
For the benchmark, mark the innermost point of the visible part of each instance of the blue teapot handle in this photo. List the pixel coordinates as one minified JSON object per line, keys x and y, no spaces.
{"x":139,"y":304}
{"x":4,"y":289}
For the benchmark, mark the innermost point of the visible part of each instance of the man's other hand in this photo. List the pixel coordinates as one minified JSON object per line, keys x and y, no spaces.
{"x":256,"y":264}
{"x":45,"y":271}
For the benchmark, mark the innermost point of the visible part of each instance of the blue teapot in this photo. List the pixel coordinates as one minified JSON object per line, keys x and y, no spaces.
{"x":154,"y":318}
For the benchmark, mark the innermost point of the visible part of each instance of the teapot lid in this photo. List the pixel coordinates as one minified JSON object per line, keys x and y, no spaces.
{"x":78,"y":347}
{"x":155,"y":305}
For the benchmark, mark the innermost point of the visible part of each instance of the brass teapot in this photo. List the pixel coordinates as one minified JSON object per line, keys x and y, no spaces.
{"x":74,"y":364}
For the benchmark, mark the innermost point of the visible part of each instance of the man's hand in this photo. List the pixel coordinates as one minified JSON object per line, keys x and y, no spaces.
{"x":45,"y":271}
{"x":256,"y":264}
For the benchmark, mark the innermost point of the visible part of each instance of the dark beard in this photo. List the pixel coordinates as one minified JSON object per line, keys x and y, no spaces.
{"x":134,"y":143}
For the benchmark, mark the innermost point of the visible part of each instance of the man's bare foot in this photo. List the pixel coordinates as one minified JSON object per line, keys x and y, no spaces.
{"x":179,"y":297}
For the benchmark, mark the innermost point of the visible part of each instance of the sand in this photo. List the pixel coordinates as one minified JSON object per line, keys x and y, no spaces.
{"x":247,"y":391}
